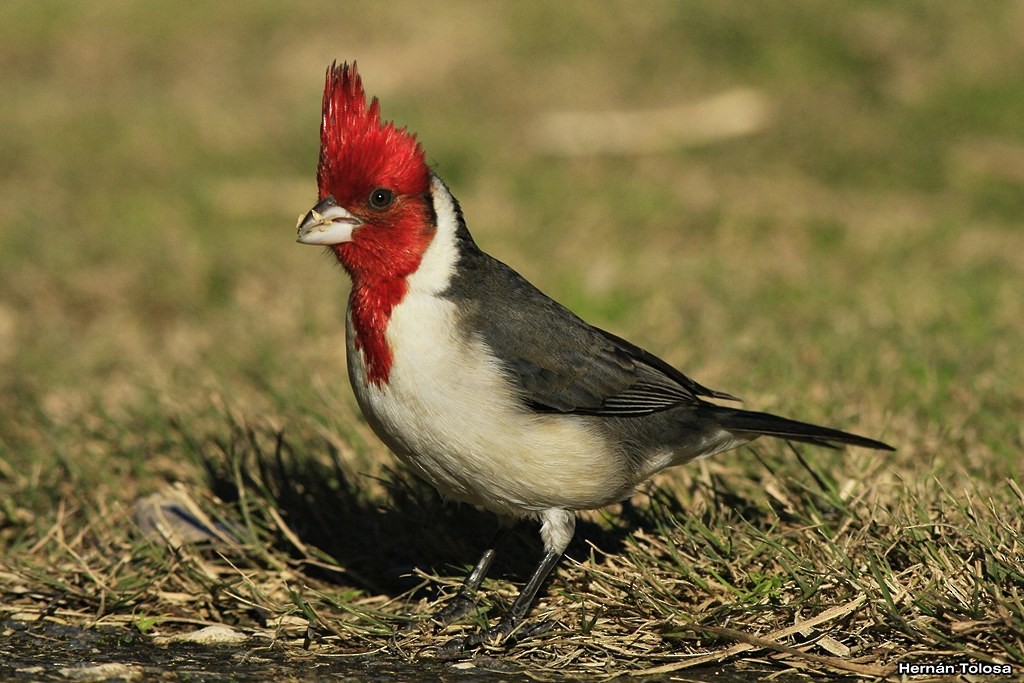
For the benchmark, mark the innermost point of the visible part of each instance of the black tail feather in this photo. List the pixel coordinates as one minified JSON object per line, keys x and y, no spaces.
{"x":746,"y":421}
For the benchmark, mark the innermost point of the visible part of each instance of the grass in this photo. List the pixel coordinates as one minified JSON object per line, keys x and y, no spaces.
{"x":856,"y":261}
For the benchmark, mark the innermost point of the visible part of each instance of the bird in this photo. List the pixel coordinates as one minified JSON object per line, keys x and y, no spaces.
{"x":485,"y":387}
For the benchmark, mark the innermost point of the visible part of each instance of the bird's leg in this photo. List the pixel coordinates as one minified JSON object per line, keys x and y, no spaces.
{"x":465,"y":599}
{"x":556,"y":530}
{"x":526,"y":598}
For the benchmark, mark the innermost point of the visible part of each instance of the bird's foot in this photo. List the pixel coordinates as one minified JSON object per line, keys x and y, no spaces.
{"x":456,"y":608}
{"x":504,"y":632}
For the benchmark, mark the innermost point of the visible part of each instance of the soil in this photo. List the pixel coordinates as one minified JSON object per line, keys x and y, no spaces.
{"x":47,"y":651}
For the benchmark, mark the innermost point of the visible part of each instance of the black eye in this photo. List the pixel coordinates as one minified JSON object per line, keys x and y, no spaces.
{"x":381,"y":198}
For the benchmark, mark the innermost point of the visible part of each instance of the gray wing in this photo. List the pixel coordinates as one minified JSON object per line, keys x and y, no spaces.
{"x":558,"y":361}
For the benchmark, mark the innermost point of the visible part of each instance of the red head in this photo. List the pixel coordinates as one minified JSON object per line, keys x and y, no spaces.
{"x":377,"y":173}
{"x":375,"y":210}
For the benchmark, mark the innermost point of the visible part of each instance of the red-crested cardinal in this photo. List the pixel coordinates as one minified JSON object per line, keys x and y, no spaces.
{"x":491,"y":391}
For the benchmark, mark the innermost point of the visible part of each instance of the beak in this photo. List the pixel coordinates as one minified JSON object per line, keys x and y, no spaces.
{"x":327,"y":223}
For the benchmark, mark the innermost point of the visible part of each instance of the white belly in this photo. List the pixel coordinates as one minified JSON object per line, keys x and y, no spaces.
{"x":447,"y":411}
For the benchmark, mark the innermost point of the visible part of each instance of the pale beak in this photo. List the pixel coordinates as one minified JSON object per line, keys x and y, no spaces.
{"x":327,"y":223}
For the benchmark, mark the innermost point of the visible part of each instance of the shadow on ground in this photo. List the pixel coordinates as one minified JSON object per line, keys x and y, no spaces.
{"x":380,"y":540}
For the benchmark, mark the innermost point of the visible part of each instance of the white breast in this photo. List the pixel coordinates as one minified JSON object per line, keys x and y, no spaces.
{"x":449,"y":413}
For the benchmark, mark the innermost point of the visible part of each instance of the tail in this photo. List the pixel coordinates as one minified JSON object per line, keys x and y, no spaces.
{"x":764,"y":424}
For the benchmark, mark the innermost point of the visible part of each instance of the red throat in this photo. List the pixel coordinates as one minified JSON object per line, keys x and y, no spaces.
{"x":370,"y":308}
{"x":358,"y":154}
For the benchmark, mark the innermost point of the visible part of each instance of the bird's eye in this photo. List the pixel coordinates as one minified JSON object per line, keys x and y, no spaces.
{"x":381,"y":198}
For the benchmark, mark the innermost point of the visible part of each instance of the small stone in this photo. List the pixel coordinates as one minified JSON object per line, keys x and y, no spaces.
{"x":213,"y":635}
{"x":101,"y":672}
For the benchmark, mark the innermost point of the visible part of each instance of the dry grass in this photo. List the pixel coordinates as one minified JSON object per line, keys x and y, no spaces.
{"x":854,"y":257}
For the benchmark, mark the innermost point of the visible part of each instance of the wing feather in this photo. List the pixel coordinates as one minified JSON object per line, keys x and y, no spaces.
{"x":556,"y":361}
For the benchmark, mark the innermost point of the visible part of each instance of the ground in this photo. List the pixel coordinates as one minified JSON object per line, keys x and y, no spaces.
{"x":815,"y":207}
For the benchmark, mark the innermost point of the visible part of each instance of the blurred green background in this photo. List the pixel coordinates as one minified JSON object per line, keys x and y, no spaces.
{"x":854,"y":258}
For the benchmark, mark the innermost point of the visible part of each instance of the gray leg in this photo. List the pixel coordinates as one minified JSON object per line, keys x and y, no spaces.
{"x":465,"y":599}
{"x":556,"y":530}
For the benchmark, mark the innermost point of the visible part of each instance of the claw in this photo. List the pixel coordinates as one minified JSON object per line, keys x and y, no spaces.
{"x":505,"y":632}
